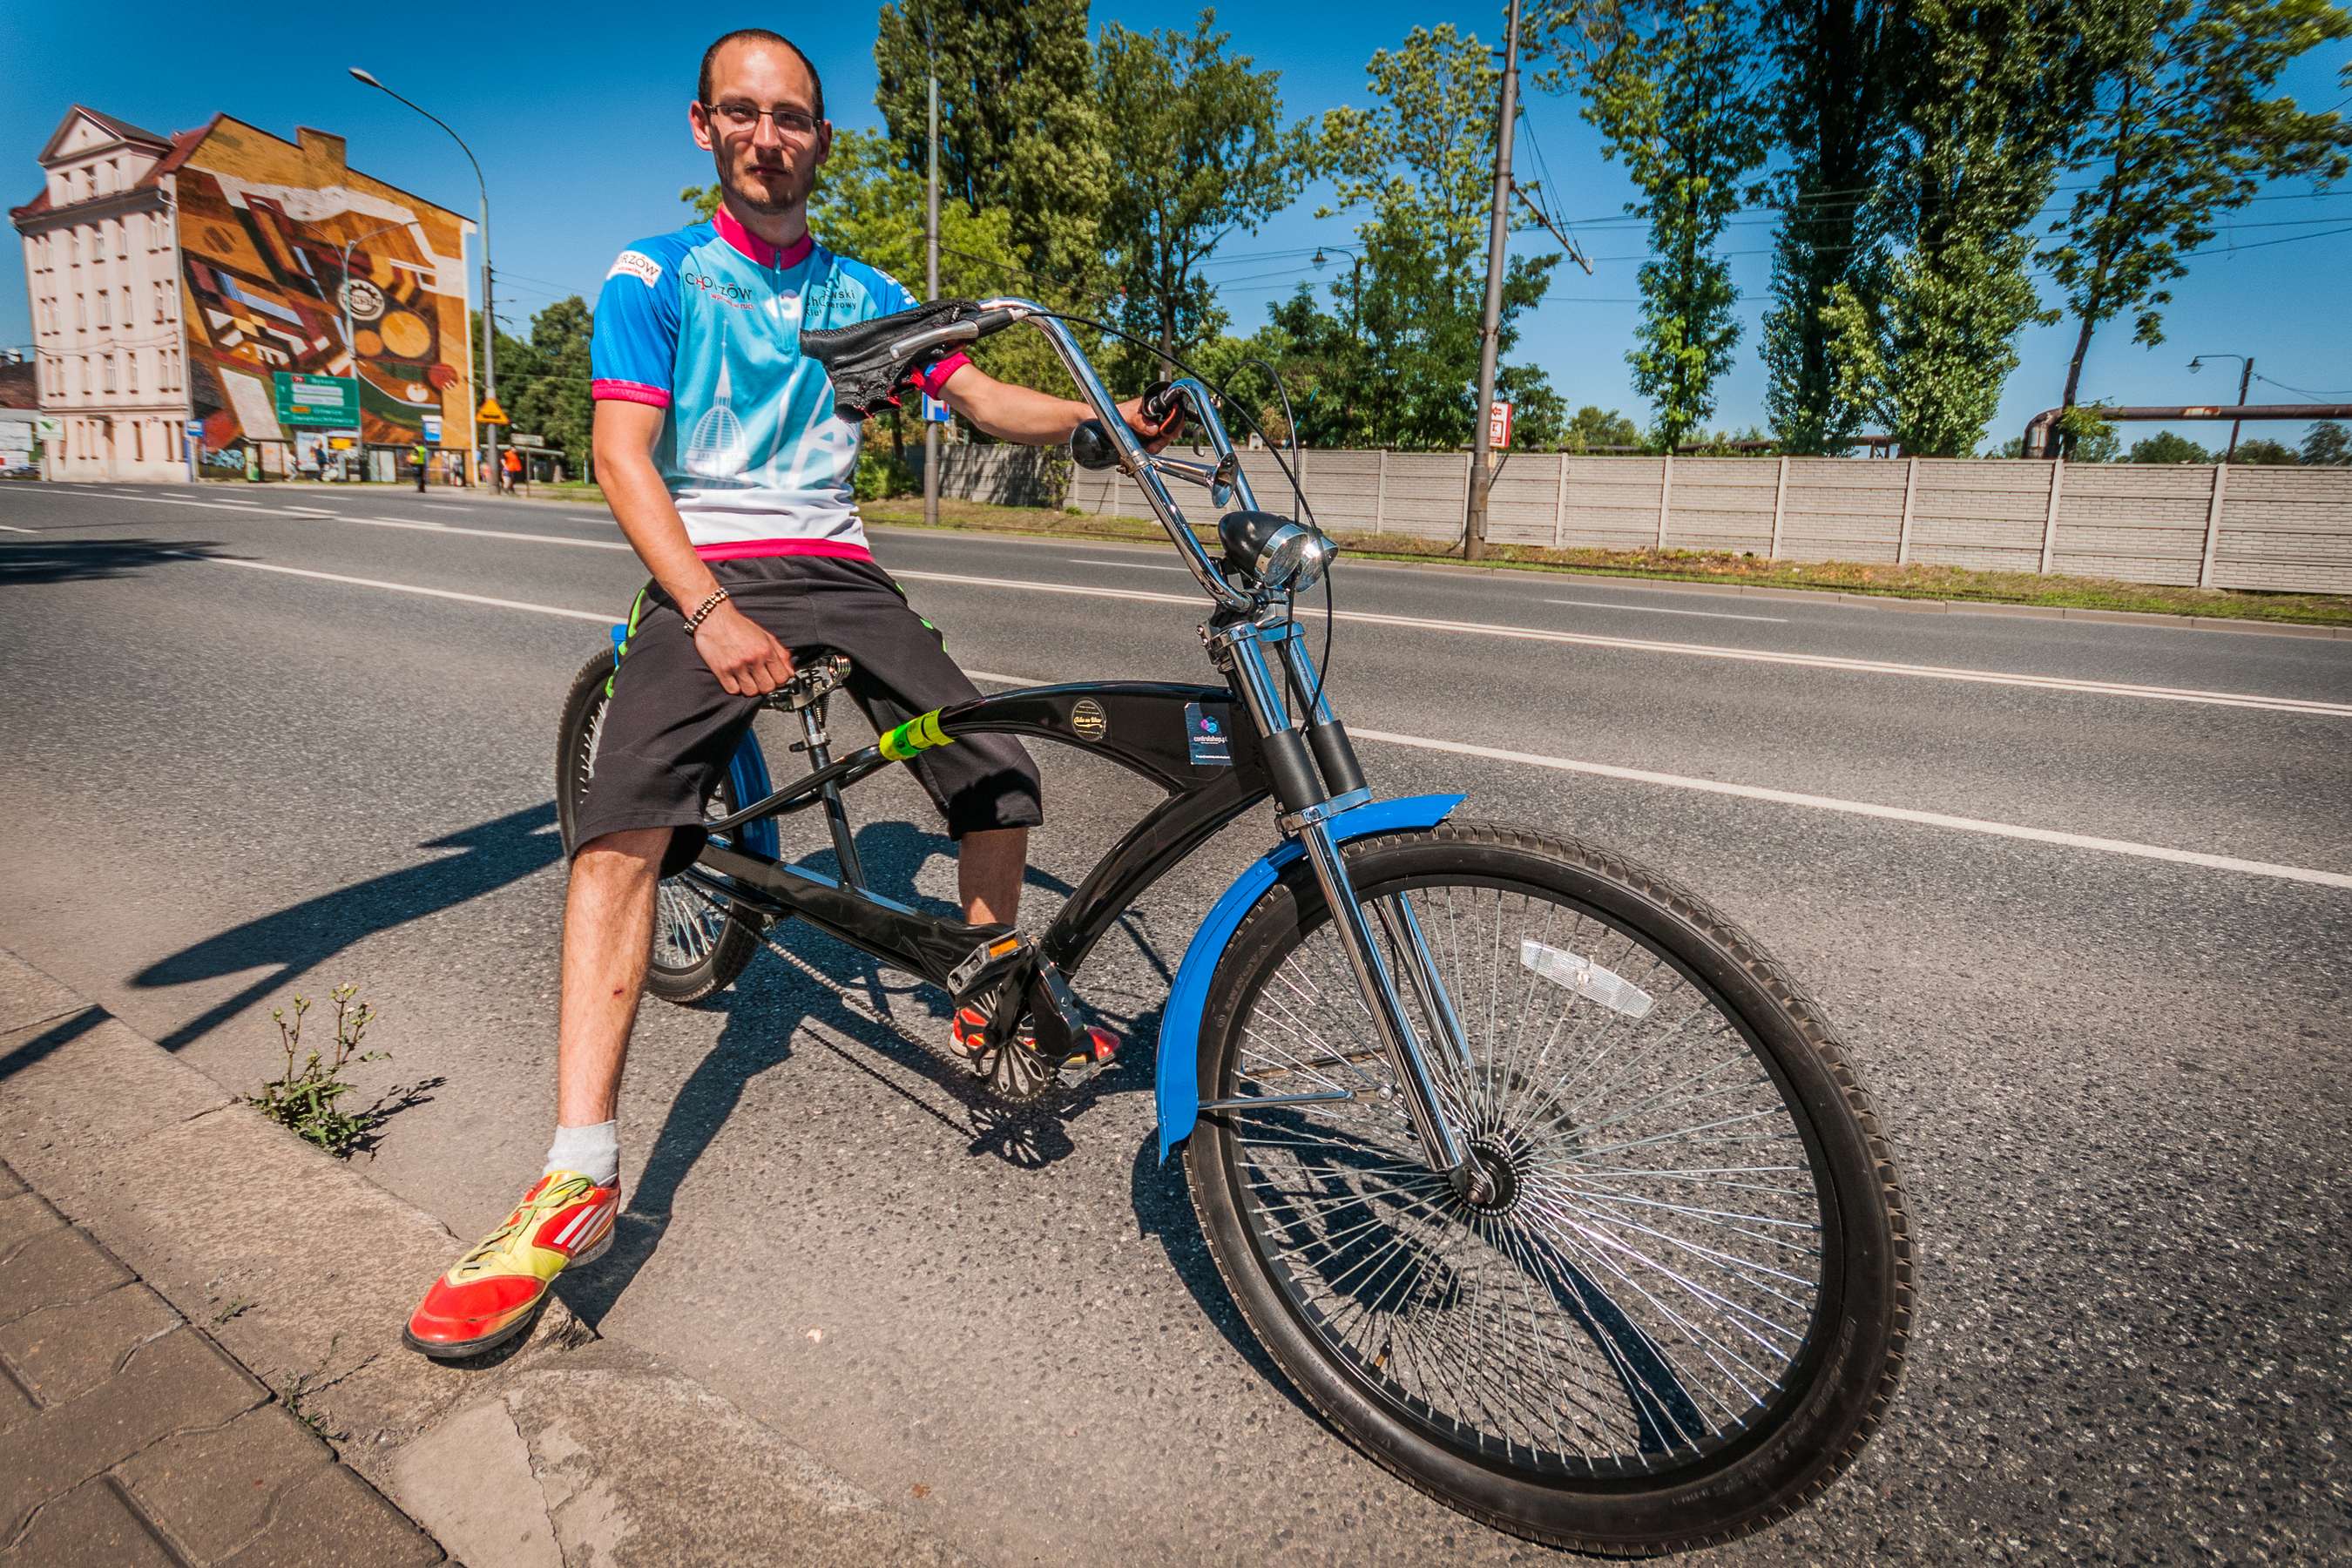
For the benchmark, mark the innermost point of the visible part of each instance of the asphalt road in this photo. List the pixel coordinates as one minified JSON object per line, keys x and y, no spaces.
{"x":2076,"y":895}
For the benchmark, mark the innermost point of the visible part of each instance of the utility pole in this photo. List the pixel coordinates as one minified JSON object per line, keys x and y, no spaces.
{"x":1482,"y":455}
{"x":931,"y":291}
{"x":2246,"y":382}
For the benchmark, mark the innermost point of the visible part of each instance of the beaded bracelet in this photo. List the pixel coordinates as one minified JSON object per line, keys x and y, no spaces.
{"x":694,"y":621}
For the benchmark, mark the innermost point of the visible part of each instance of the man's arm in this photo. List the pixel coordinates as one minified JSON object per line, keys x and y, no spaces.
{"x":745,"y":658}
{"x":1033,"y":418}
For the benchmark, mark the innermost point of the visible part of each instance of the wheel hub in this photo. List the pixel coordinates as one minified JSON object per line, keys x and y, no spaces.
{"x":1495,"y":1178}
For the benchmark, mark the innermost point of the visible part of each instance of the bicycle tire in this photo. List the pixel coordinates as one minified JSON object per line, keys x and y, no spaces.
{"x":696,"y":952}
{"x":1839,"y":1379}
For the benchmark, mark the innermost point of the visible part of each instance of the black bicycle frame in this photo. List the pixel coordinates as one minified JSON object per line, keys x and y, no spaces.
{"x":1145,"y":727}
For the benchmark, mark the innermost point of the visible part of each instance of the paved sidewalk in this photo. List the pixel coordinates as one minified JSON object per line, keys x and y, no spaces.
{"x":168,"y":1259}
{"x":127,"y":1435}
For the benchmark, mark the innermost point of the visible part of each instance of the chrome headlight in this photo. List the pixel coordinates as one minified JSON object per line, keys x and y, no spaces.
{"x":1274,"y":552}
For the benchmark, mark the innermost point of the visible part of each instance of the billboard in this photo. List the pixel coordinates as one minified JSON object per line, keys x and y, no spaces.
{"x":263,"y":225}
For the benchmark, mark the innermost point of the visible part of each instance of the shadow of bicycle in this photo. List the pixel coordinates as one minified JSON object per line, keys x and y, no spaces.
{"x":35,"y":563}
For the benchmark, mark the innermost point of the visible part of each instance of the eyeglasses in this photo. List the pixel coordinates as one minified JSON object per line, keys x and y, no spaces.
{"x":738,"y":118}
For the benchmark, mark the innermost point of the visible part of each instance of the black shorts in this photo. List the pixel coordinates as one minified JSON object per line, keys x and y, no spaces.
{"x":671,"y":728}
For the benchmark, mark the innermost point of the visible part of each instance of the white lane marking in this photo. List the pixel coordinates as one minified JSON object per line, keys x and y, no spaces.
{"x":326,"y":516}
{"x":1830,"y":803}
{"x":1886,"y":813}
{"x":1661,"y":610}
{"x":1532,"y":634}
{"x":4,"y":528}
{"x":1130,"y":565}
{"x":1704,"y":651}
{"x":601,"y":616}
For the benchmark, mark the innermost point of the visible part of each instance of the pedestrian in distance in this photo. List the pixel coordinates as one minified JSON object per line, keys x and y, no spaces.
{"x":418,"y":456}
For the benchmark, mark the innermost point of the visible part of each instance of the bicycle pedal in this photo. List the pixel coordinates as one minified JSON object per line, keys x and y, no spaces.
{"x":1082,"y":1067}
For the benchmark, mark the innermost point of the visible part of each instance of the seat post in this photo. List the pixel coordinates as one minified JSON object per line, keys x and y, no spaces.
{"x":806,"y":694}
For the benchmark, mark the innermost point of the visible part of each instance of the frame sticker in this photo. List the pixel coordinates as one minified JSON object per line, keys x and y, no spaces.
{"x":1087,"y":718}
{"x":1205,"y":739}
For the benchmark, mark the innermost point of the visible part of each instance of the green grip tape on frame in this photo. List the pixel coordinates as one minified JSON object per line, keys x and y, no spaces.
{"x":915,"y":735}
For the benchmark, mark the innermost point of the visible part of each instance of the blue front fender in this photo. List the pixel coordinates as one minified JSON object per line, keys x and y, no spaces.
{"x":1179,"y":1025}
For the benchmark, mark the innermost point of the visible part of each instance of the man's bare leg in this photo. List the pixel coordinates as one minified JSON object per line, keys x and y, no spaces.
{"x":608,"y":923}
{"x":989,"y":867}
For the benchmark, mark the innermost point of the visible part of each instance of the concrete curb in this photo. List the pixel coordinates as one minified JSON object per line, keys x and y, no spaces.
{"x":562,"y":1449}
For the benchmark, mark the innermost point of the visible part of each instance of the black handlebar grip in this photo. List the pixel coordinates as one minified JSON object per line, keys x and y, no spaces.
{"x":1159,"y":400}
{"x":1091,"y":446}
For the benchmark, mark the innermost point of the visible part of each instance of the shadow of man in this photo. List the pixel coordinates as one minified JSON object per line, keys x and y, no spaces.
{"x":299,"y":938}
{"x":44,"y":560}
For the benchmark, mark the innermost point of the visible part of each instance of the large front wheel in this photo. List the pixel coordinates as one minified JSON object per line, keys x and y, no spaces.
{"x":1680,"y":1305}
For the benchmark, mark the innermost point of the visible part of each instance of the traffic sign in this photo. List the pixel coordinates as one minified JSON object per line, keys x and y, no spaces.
{"x":331,"y":401}
{"x":490,"y":413}
{"x":1498,"y":424}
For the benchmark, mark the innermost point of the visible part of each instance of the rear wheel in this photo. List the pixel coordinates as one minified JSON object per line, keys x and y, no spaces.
{"x":698,"y":948}
{"x":1681,"y":1307}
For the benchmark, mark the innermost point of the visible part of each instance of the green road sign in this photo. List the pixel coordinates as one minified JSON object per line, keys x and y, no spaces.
{"x":317,"y":400}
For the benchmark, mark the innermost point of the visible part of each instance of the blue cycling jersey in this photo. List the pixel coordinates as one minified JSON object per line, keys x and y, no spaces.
{"x":705,"y":324}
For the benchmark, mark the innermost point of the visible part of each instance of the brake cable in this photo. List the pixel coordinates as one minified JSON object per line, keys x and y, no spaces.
{"x":1298,"y":490}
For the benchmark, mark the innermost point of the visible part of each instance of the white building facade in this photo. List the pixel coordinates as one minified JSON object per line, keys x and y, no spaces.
{"x":102,"y":266}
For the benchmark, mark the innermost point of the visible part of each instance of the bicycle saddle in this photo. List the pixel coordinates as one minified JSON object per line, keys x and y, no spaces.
{"x":870,"y":361}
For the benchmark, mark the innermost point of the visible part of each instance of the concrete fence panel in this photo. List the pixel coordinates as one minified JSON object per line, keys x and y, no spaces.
{"x":2287,"y":528}
{"x":1722,"y":503}
{"x":2141,"y":523}
{"x":1840,"y":508}
{"x":1986,"y":516}
{"x":1613,"y":502}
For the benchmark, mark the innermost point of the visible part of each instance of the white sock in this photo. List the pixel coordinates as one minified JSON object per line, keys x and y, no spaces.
{"x":594,"y":1152}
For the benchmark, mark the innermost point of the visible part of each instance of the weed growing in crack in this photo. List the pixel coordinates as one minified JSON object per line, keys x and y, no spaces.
{"x":304,"y":1099}
{"x":300,"y":1386}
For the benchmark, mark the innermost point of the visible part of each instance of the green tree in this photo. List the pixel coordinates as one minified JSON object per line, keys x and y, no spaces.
{"x":552,"y":399}
{"x":1020,"y":130}
{"x":2164,"y":447}
{"x":1401,"y":369}
{"x":2182,"y":129}
{"x":1987,"y":95}
{"x":1596,"y":429}
{"x":1837,"y":132}
{"x":2086,"y":434}
{"x":2264,"y":453}
{"x":1197,"y":140}
{"x":2325,"y":446}
{"x":1676,"y":93}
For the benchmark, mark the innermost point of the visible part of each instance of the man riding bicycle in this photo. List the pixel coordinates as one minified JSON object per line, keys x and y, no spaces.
{"x":724,"y":464}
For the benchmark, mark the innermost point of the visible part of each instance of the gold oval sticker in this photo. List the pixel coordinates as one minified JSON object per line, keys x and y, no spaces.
{"x":1087,"y":718}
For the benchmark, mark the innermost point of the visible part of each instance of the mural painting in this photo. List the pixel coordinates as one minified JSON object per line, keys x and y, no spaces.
{"x":262,"y":226}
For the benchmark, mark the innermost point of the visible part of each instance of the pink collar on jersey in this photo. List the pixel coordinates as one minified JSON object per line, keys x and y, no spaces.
{"x":758,"y":249}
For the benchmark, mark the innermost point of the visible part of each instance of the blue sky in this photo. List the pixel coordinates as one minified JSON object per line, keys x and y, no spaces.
{"x":577,"y":112}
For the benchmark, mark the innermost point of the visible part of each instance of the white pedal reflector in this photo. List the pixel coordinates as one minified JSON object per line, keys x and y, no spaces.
{"x":1586,"y":978}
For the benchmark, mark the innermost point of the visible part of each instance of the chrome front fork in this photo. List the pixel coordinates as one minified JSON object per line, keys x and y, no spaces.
{"x":1242,"y":648}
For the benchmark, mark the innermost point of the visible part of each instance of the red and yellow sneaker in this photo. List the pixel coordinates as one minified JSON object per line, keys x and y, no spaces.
{"x":489,"y":1295}
{"x":1095,"y":1050}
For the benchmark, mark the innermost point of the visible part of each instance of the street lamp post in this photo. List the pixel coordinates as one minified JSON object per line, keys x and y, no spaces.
{"x":1355,"y":282}
{"x":489,"y":316}
{"x":2245,"y":380}
{"x":352,"y":342}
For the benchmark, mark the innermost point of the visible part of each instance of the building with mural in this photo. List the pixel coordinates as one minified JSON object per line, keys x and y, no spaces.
{"x":228,"y":300}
